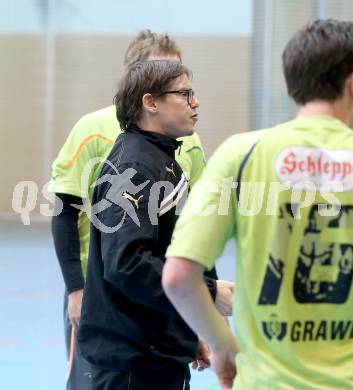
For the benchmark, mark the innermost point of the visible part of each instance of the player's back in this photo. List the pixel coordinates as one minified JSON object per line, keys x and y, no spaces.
{"x":294,"y":230}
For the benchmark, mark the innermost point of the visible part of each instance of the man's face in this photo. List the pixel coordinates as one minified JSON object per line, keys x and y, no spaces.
{"x":177,"y":116}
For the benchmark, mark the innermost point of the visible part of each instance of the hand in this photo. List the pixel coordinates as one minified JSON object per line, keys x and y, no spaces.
{"x":224,"y":297}
{"x":74,"y":308}
{"x":202,"y":357}
{"x":223,"y":364}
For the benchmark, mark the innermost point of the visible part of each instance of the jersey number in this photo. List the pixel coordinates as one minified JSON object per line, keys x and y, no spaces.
{"x":324,"y":264}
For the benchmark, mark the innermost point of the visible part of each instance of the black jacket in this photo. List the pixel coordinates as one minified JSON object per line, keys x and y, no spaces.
{"x":127,"y":321}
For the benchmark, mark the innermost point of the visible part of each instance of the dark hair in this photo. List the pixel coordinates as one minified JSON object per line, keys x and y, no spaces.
{"x":148,"y":43}
{"x":152,"y":77}
{"x":318,"y":59}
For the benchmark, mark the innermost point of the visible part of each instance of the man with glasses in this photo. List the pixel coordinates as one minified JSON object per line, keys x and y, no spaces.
{"x":91,"y":140}
{"x":129,"y":331}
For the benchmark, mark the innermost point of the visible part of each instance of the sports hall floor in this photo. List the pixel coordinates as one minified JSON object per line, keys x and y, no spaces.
{"x":32,"y":354}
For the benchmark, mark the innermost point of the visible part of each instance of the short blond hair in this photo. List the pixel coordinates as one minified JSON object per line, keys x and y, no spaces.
{"x":148,"y":43}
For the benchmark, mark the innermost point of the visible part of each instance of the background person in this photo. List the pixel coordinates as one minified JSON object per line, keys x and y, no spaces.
{"x":129,"y":331}
{"x":92,"y":138}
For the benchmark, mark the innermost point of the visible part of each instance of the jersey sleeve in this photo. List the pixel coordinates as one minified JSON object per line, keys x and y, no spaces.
{"x":198,"y":160}
{"x":77,"y":161}
{"x":191,"y":158}
{"x":207,"y":220}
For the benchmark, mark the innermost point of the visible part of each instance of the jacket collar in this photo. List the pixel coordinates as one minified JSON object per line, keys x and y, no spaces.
{"x":163,"y":142}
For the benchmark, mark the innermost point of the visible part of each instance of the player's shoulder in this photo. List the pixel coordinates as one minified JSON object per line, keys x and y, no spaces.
{"x":190,"y":142}
{"x":229,"y":155}
{"x":102,"y":114}
{"x":102,"y":121}
{"x":239,"y":144}
{"x":247,"y":139}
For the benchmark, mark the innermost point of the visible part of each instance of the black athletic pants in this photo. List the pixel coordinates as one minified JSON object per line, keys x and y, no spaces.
{"x":175,"y":377}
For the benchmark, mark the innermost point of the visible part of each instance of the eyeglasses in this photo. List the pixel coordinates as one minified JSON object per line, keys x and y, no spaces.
{"x":187,"y":93}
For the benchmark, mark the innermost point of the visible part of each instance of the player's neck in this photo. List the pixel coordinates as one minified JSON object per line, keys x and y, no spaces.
{"x":316,"y":108}
{"x":154,"y":126}
{"x":336,"y":109}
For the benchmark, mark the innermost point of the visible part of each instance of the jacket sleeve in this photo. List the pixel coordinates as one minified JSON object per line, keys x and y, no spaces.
{"x":67,"y":243}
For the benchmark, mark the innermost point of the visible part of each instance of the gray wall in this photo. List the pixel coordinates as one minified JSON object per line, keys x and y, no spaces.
{"x":48,"y":83}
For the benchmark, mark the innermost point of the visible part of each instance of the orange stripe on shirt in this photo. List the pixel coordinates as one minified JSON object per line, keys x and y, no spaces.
{"x":83,"y":143}
{"x":72,"y":352}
